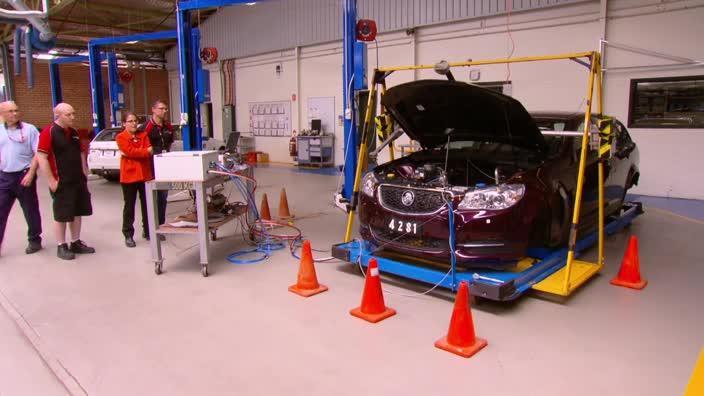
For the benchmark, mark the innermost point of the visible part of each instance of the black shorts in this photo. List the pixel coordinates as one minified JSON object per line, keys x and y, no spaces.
{"x":71,"y":201}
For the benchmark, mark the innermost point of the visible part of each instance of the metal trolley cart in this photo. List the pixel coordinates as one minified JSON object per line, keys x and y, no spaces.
{"x":205,"y":231}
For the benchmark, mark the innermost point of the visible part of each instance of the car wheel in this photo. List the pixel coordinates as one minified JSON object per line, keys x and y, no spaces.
{"x":111,"y":177}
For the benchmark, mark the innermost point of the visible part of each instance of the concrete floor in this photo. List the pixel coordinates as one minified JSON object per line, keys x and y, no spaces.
{"x":108,"y":326}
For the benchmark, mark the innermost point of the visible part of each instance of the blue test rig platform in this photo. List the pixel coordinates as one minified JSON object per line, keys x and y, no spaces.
{"x":539,"y":266}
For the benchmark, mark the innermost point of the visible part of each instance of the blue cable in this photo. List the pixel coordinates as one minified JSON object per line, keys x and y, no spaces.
{"x":265,"y":246}
{"x":453,"y":258}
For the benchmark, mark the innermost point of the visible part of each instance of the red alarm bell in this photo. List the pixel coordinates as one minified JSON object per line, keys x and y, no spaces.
{"x":125,"y":76}
{"x":366,"y":30}
{"x":209,"y":55}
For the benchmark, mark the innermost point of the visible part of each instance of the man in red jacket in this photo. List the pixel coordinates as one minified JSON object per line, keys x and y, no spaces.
{"x":135,"y":169}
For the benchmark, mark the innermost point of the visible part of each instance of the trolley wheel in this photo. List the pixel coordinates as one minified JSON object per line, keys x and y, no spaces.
{"x":204,"y":270}
{"x":157,"y":268}
{"x":214,"y":235}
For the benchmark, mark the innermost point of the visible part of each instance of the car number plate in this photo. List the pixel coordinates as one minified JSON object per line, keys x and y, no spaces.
{"x":109,"y":153}
{"x":404,"y":227}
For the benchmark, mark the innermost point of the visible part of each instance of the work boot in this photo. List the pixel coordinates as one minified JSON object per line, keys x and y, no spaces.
{"x":33,"y":247}
{"x":129,"y":242}
{"x":79,"y":247}
{"x":64,"y":253}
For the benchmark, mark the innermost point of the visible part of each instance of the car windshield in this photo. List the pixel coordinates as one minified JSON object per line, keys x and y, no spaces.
{"x":107,"y":135}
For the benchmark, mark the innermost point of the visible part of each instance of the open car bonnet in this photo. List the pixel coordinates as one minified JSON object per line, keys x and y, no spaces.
{"x":429,"y":110}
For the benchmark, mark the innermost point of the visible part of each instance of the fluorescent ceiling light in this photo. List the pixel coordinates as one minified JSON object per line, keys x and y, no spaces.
{"x":53,"y":52}
{"x":251,"y":4}
{"x":45,"y":57}
{"x":132,"y":42}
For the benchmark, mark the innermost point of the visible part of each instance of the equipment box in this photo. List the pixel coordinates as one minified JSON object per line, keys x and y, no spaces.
{"x":184,"y":165}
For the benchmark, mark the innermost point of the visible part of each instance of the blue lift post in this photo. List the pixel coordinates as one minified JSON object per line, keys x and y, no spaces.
{"x":189,"y":68}
{"x":55,"y":75}
{"x":96,"y":77}
{"x":192,"y":136}
{"x":490,"y":284}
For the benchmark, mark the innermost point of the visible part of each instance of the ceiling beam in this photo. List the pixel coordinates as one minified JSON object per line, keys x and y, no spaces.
{"x":122,"y":11}
{"x":60,"y":6}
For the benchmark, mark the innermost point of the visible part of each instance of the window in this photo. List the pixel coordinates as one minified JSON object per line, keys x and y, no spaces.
{"x":674,"y":102}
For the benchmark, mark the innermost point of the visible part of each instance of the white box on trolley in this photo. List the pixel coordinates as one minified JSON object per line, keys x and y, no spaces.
{"x":184,"y":165}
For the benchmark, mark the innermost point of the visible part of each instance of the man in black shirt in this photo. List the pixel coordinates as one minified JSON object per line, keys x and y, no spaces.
{"x":161,"y":136}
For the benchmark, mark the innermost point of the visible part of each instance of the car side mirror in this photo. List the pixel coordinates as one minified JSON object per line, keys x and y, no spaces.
{"x":626,"y":151}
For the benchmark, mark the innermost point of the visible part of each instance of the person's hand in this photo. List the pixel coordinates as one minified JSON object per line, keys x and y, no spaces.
{"x":53,"y":185}
{"x":27,"y":179}
{"x":151,"y":150}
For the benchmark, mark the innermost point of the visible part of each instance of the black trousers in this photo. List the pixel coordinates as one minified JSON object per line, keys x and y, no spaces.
{"x":11,"y":189}
{"x":129,"y":192}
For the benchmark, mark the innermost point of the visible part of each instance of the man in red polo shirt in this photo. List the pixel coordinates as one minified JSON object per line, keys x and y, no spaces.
{"x":63,"y":159}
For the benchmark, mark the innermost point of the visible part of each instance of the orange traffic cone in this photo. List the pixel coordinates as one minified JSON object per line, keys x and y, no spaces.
{"x":629,"y":274}
{"x":307,"y":284}
{"x":284,"y":212}
{"x":373,"y":308}
{"x":460,"y":338}
{"x":264,"y":212}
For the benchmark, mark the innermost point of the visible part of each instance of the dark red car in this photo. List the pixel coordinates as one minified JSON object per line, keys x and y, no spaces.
{"x":510,"y":186}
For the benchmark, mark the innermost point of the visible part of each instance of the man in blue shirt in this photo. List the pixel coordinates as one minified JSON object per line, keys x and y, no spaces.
{"x":18,"y":170}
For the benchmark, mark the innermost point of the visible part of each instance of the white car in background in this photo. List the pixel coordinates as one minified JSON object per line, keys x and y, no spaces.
{"x":104,"y":156}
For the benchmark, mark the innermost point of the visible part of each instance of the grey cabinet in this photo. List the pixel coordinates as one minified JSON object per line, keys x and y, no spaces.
{"x":316,"y":150}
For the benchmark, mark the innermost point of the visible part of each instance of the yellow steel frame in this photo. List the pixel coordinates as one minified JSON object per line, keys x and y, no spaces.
{"x":575,"y":272}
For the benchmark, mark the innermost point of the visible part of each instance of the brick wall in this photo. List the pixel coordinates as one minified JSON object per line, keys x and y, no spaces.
{"x":36,"y":106}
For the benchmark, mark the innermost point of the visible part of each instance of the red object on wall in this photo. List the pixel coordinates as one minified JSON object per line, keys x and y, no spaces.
{"x":125,"y":76}
{"x":209,"y":55}
{"x":366,"y":30}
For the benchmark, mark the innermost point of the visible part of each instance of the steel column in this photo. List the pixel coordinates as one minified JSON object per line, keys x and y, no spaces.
{"x":349,"y":17}
{"x":96,"y":87}
{"x":55,"y":81}
{"x":185,"y":68}
{"x":113,"y":89}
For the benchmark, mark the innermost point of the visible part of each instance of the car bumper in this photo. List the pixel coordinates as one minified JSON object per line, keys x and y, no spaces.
{"x":488,"y":239}
{"x":102,"y":165}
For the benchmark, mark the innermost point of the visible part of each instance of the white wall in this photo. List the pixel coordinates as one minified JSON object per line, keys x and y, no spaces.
{"x":666,"y":155}
{"x":256,"y":81}
{"x":670,"y":158}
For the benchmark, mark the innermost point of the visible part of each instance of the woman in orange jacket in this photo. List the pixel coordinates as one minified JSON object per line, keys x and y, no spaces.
{"x":135,"y":169}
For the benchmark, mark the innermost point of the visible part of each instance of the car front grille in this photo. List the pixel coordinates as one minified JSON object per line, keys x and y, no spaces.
{"x":413,"y":242}
{"x":424,"y":201}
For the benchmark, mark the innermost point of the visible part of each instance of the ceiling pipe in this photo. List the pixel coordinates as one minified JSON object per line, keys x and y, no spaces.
{"x":28,"y":60}
{"x":9,"y":82}
{"x":38,"y":19}
{"x":16,"y":44}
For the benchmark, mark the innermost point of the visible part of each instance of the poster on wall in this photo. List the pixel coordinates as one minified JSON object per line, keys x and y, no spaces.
{"x":270,"y":118}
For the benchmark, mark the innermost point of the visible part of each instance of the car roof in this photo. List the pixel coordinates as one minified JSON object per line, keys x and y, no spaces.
{"x":557,"y":115}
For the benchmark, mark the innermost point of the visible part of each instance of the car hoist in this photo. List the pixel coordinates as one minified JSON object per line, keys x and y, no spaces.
{"x":554,"y":271}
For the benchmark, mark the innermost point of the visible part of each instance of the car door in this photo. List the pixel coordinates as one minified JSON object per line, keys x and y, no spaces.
{"x":621,"y":163}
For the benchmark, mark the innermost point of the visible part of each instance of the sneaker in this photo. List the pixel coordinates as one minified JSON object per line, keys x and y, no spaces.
{"x":64,"y":253}
{"x":80,"y":247}
{"x":33,"y":247}
{"x":130,"y":243}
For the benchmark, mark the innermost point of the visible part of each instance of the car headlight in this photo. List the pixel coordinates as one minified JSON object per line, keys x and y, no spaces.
{"x":369,"y":183}
{"x":493,"y":198}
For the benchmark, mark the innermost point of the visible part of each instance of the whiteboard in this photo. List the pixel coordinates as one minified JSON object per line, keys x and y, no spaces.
{"x":323,"y":108}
